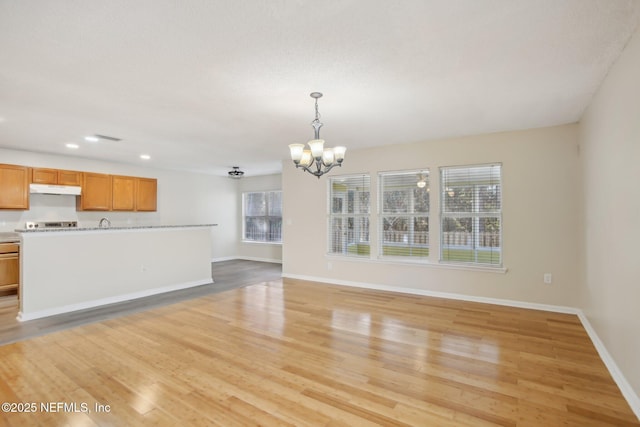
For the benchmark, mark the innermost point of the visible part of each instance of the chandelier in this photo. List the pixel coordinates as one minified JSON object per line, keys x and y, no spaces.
{"x":317,"y":160}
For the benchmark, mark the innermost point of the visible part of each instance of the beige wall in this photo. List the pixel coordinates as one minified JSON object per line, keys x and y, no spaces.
{"x":258,"y":251}
{"x":540,"y":217}
{"x":610,"y":160}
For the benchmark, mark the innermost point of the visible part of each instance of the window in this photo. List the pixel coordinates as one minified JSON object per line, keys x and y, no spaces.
{"x":404,"y":214}
{"x":349,"y":215}
{"x":471,"y":214}
{"x":262,"y":216}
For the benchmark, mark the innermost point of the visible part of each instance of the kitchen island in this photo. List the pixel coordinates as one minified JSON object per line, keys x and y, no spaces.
{"x":64,"y":270}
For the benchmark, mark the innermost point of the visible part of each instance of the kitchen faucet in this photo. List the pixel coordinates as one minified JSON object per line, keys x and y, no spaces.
{"x":103,"y":221}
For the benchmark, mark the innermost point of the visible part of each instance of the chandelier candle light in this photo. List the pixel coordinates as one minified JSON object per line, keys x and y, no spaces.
{"x":316,"y":155}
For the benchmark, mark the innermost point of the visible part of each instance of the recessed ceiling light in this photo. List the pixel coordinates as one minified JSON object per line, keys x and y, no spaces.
{"x":145,"y":156}
{"x":91,"y":138}
{"x":73,"y":146}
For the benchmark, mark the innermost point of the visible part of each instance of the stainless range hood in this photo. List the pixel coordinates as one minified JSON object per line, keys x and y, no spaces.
{"x":70,"y":190}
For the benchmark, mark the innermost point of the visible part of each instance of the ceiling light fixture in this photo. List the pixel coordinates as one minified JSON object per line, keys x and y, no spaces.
{"x":72,"y":146}
{"x":91,"y":138}
{"x":145,"y":156}
{"x":236,"y":173}
{"x":316,"y":154}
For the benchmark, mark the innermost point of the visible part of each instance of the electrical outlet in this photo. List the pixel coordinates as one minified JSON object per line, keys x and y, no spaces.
{"x":547,"y":278}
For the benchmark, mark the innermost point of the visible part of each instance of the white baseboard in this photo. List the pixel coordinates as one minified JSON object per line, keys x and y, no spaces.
{"x":22,"y":317}
{"x":625,"y":388}
{"x":247,"y":258}
{"x":224,"y":258}
{"x":424,"y":292}
{"x":627,"y":391}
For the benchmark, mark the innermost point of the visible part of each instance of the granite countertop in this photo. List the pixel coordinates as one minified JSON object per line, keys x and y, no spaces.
{"x":131,"y":227}
{"x":9,"y":237}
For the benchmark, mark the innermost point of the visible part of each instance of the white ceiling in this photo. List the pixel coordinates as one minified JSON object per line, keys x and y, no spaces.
{"x":204,"y":85}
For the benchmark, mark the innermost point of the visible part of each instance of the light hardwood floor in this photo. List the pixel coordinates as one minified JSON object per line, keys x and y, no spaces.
{"x":301,"y":353}
{"x":227,"y":275}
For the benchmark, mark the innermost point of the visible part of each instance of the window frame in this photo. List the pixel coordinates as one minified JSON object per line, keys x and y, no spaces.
{"x":410,"y":217}
{"x":267,"y":217}
{"x":476,"y":214}
{"x":357,"y":219}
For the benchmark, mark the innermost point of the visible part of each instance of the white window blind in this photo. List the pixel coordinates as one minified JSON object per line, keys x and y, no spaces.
{"x":404,"y":214}
{"x":262,"y":216}
{"x":471,"y":214}
{"x":348,"y":225}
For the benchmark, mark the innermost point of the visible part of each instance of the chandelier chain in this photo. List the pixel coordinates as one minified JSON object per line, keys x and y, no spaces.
{"x":317,"y":112}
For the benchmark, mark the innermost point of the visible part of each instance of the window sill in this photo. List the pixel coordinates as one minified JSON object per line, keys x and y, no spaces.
{"x":421,"y":263}
{"x":257,"y":242}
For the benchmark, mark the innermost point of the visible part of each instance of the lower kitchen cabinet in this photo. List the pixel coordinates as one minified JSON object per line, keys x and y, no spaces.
{"x":9,"y":267}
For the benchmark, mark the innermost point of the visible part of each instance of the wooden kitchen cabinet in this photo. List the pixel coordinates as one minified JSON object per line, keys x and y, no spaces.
{"x":9,"y":267}
{"x":100,"y":192}
{"x":55,"y":176}
{"x":44,"y":176}
{"x":97,"y":192}
{"x":14,"y":187}
{"x":69,"y":177}
{"x":147,"y":194}
{"x":124,"y":193}
{"x":134,"y":194}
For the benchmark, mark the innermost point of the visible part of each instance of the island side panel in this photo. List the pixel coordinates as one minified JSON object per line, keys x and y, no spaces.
{"x":68,"y":271}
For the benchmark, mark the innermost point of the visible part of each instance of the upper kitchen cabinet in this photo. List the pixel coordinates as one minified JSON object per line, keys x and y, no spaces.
{"x":69,"y":177}
{"x":14,"y":187}
{"x":131,"y":193}
{"x":55,"y":176}
{"x":44,"y":176}
{"x":96,"y":192}
{"x":124,"y":193}
{"x":134,"y":194}
{"x":146,"y":194}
